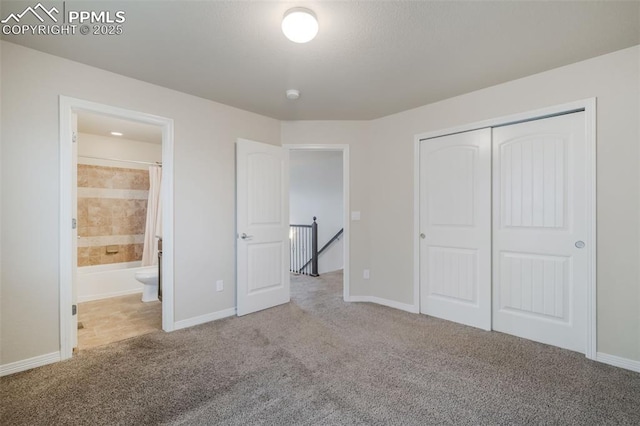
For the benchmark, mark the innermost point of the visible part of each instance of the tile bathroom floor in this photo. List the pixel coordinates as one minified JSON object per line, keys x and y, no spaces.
{"x":105,"y":321}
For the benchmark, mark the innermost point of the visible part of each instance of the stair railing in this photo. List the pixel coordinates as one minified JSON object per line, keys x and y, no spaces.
{"x":303,"y":242}
{"x":304,"y":251}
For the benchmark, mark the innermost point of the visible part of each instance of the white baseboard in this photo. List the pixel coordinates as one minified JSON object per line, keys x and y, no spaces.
{"x":27,"y":364}
{"x":204,"y":318}
{"x":617,"y":361}
{"x":101,"y":296}
{"x":385,"y":302}
{"x":38,"y":361}
{"x":613,"y":360}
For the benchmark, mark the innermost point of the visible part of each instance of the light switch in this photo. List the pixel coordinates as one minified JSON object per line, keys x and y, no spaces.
{"x":219,"y":285}
{"x":355,"y":215}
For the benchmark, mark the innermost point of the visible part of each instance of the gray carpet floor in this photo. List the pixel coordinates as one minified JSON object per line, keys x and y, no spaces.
{"x":320,"y":361}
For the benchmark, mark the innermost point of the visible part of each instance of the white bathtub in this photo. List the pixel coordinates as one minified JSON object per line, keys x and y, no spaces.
{"x":103,"y":281}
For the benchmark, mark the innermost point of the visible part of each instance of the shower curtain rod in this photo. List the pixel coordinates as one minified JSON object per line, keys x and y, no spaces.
{"x":123,"y":161}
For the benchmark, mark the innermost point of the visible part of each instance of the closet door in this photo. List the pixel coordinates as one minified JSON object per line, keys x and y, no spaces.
{"x":455,"y":226}
{"x":540,"y":230}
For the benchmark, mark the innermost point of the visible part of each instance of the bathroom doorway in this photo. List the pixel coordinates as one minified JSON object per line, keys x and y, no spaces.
{"x":118,"y":183}
{"x":117,"y":193}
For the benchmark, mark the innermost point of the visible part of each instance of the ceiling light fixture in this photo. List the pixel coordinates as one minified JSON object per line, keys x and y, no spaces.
{"x":300,"y":25}
{"x":293,"y":94}
{"x":116,"y":133}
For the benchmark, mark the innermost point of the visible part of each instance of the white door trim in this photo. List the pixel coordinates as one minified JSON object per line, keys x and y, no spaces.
{"x":344,"y":148}
{"x":67,"y":106}
{"x":586,"y":105}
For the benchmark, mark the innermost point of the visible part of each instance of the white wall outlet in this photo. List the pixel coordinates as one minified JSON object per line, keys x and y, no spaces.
{"x":355,"y":215}
{"x":365,"y":274}
{"x":219,"y":285}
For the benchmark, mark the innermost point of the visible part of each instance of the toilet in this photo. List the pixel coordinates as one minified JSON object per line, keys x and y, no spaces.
{"x":148,"y":276}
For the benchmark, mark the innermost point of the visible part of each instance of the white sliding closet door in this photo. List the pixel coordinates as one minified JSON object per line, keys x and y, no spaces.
{"x":455,"y":226}
{"x":540,"y":230}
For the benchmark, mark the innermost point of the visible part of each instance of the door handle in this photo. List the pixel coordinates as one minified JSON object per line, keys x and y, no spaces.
{"x":423,"y":236}
{"x":580,"y":244}
{"x":245,"y":236}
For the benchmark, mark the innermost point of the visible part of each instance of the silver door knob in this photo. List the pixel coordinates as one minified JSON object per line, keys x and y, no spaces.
{"x":245,"y":236}
{"x":423,"y":236}
{"x":580,"y":244}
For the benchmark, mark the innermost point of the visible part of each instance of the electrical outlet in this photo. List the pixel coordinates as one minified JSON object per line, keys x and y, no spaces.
{"x":219,"y":285}
{"x":365,"y":274}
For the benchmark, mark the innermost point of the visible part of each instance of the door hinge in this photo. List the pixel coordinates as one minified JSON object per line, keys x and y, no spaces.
{"x":74,"y":224}
{"x":74,"y":137}
{"x":74,"y":309}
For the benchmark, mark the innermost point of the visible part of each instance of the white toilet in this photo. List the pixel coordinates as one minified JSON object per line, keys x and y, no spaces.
{"x":148,"y":276}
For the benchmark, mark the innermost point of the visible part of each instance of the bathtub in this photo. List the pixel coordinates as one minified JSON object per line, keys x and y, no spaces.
{"x":103,"y":281}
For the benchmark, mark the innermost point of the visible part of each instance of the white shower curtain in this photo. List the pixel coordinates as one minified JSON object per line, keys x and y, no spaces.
{"x":154,"y":218}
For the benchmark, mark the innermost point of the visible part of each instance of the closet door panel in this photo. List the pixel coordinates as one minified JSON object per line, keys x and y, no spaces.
{"x":455,"y":226}
{"x":539,"y":200}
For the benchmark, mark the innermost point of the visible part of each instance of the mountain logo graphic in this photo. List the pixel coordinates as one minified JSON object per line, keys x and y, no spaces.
{"x":34,"y":11}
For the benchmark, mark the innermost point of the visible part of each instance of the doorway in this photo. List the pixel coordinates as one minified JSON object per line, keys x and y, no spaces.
{"x":310,"y":197}
{"x":506,"y":225}
{"x":263,"y":227}
{"x":119,"y":175}
{"x":315,"y":196}
{"x":69,"y":109}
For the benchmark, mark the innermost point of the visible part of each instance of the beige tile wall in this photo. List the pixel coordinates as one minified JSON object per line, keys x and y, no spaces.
{"x":112,"y":177}
{"x":110,"y":216}
{"x":97,"y":255}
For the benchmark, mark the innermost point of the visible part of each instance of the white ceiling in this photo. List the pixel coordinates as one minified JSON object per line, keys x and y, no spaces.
{"x":103,"y":125}
{"x":369,"y":59}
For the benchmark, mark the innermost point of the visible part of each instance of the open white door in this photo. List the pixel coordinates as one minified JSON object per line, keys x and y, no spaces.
{"x":455,"y":226}
{"x":262,"y":178}
{"x":74,"y":229}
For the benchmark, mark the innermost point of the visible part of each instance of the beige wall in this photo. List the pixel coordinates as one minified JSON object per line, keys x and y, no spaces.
{"x":615,"y":80}
{"x":205,"y":134}
{"x":381,"y":160}
{"x":354,"y":134}
{"x":382,"y":181}
{"x":117,"y":147}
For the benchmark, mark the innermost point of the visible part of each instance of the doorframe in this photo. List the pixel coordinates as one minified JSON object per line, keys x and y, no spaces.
{"x":344,"y":148}
{"x":69,"y":105}
{"x":589,"y":108}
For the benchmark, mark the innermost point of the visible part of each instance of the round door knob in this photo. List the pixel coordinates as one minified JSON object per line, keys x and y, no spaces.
{"x":580,"y":244}
{"x":423,"y":236}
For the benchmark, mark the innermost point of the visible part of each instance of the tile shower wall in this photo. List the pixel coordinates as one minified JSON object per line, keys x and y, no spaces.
{"x":112,"y":209}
